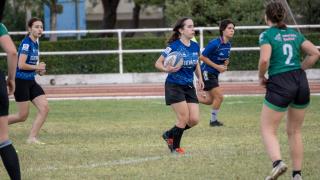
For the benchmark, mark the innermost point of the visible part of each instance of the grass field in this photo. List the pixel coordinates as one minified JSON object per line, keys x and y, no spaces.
{"x":120,"y":139}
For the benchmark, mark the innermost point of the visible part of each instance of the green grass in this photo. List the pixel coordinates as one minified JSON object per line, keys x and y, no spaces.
{"x":120,"y":139}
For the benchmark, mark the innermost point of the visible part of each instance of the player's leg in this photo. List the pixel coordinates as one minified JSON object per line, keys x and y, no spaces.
{"x":217,"y":94}
{"x":294,"y":125}
{"x":41,"y":103}
{"x":21,"y":115}
{"x":204,"y":97}
{"x":22,"y":97}
{"x":182,"y":114}
{"x":296,"y":114}
{"x":194,"y":114}
{"x":7,"y":152}
{"x":270,"y":120}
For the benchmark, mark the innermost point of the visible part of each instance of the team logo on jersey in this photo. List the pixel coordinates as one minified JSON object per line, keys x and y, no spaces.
{"x":167,"y":50}
{"x":221,"y":54}
{"x":278,"y":37}
{"x":25,"y":47}
{"x":261,"y":37}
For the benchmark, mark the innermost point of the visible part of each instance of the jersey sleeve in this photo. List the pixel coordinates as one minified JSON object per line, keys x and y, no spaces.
{"x":263,"y":39}
{"x":211,"y":47}
{"x":3,"y":29}
{"x":24,"y":48}
{"x":301,"y":39}
{"x":168,"y":50}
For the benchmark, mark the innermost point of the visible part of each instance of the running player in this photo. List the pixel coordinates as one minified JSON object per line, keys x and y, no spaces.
{"x":179,"y":89}
{"x":27,"y":88}
{"x":7,"y":152}
{"x":287,"y":87}
{"x":215,"y":59}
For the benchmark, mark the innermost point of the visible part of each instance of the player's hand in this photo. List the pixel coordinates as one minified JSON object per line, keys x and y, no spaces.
{"x":11,"y":86}
{"x":41,"y":72}
{"x":226,"y":62}
{"x":41,"y":66}
{"x":222,"y":68}
{"x":200,"y":84}
{"x":171,"y":69}
{"x":263,"y":81}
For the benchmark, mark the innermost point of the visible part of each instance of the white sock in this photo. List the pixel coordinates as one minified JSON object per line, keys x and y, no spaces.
{"x":214,"y":115}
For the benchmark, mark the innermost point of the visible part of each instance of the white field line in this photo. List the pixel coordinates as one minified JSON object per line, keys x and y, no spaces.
{"x":128,"y":161}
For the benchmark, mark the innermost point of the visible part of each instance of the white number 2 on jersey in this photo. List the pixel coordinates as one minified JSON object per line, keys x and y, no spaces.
{"x":287,"y":51}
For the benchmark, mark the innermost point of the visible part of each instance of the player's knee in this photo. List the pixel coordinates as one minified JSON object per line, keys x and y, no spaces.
{"x":193,"y":121}
{"x":45,"y":109}
{"x":219,"y":98}
{"x":292,"y":132}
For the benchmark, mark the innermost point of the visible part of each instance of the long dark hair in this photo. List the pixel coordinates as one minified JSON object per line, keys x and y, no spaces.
{"x":178,"y":25}
{"x":276,"y":13}
{"x":223,"y":25}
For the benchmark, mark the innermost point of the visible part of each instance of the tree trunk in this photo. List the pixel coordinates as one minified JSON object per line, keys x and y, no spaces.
{"x":109,"y":14}
{"x":136,"y":19}
{"x":28,"y":8}
{"x":2,"y":6}
{"x":53,"y":20}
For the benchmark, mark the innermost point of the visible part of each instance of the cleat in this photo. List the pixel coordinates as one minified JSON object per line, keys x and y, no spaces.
{"x":180,"y":151}
{"x":277,"y":171}
{"x":297,"y":177}
{"x":168,"y":140}
{"x":215,"y":123}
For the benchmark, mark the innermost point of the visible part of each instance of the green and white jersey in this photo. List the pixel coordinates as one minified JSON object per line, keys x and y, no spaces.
{"x":3,"y":29}
{"x":285,"y":45}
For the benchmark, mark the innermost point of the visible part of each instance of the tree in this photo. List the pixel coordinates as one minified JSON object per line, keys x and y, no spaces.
{"x":2,"y":6}
{"x":138,"y":5}
{"x":55,"y":8}
{"x":306,"y":11}
{"x":109,"y":14}
{"x":211,"y":12}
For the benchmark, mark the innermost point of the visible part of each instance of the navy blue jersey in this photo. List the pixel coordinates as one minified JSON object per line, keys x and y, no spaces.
{"x":190,"y":59}
{"x":31,"y":49}
{"x":218,"y":52}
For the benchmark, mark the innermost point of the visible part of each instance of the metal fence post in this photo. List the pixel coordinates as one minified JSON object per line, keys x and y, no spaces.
{"x":120,"y":51}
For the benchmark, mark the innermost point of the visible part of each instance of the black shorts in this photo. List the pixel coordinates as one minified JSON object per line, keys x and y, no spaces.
{"x":210,"y":81}
{"x":4,"y":100}
{"x":288,"y":88}
{"x":27,"y":90}
{"x":175,"y":93}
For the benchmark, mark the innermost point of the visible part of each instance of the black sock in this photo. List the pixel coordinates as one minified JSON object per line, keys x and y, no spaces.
{"x":10,"y":160}
{"x":275,"y":163}
{"x":296,"y":172}
{"x":177,"y":137}
{"x":187,"y":127}
{"x":171,"y":132}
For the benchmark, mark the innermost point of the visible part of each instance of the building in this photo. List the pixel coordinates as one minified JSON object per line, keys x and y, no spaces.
{"x":150,"y":17}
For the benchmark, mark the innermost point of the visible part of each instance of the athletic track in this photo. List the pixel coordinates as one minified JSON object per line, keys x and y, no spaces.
{"x":149,"y":90}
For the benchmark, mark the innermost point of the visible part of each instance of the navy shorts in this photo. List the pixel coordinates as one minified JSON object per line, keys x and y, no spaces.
{"x":175,"y":93}
{"x":4,"y":100}
{"x":27,"y":90}
{"x":210,"y":81}
{"x":287,"y":89}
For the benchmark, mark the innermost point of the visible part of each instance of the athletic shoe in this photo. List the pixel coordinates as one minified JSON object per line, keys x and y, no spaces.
{"x":168,"y":140}
{"x":277,"y":171}
{"x":179,"y":151}
{"x":297,"y":177}
{"x":215,"y":123}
